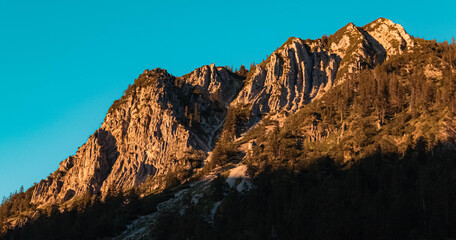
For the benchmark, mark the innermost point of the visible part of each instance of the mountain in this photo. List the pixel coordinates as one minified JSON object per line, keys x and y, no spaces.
{"x":339,"y":129}
{"x":162,"y":124}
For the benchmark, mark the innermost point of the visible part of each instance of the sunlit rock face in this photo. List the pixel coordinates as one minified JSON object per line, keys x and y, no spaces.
{"x":302,"y":70}
{"x":166,"y":124}
{"x":392,"y":36}
{"x":161,"y":124}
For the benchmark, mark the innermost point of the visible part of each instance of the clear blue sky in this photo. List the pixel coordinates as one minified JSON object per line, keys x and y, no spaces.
{"x":62,"y":63}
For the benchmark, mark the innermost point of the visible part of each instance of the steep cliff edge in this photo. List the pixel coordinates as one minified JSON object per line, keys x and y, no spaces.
{"x":340,"y":99}
{"x":301,"y":70}
{"x":166,"y":124}
{"x":393,"y":37}
{"x":162,"y":124}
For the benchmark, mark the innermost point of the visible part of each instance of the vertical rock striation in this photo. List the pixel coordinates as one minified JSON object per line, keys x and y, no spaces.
{"x":301,"y":70}
{"x":166,"y":124}
{"x":161,"y":124}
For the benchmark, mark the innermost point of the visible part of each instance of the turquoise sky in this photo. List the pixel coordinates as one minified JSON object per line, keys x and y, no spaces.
{"x":62,"y":63}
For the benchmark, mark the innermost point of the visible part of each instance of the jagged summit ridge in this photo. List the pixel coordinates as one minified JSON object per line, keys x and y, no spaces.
{"x":390,"y":35}
{"x":302,"y":70}
{"x":347,"y":113}
{"x":162,"y":124}
{"x":166,"y":124}
{"x":218,"y":81}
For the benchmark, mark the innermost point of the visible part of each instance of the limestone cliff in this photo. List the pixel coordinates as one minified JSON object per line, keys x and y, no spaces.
{"x":301,"y":70}
{"x":161,"y":124}
{"x":166,"y":124}
{"x":393,"y":38}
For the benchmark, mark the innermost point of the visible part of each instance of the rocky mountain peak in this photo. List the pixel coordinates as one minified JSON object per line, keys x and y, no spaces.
{"x":220,"y":82}
{"x":345,"y":37}
{"x":161,"y":125}
{"x":390,"y":35}
{"x":209,"y":137}
{"x":302,"y":70}
{"x":165,"y":124}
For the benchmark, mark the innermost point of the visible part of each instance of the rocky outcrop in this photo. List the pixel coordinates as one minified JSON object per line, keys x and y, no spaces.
{"x":81,"y":173}
{"x":289,"y":78}
{"x":161,"y":124}
{"x":166,"y":124}
{"x":302,"y":70}
{"x":220,"y":83}
{"x":392,"y":36}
